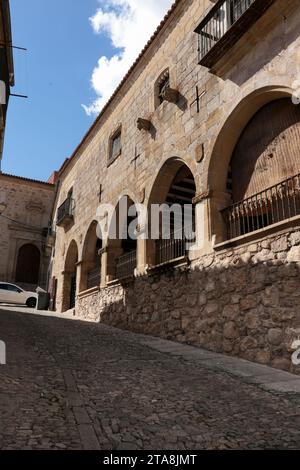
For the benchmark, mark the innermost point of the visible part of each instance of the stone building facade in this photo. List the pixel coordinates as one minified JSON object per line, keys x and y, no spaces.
{"x":6,"y":67}
{"x":208,"y":115}
{"x":26,"y":207}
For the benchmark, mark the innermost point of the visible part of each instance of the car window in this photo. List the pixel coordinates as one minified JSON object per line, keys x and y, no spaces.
{"x":12,"y":288}
{"x":3,"y":286}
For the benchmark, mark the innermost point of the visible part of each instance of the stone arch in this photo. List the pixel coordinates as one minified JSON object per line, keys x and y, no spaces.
{"x":175,"y":183}
{"x":121,"y":243}
{"x":70,"y":277}
{"x":230,"y":132}
{"x":163,"y":178}
{"x":232,"y":128}
{"x":28,"y":264}
{"x":91,"y":258}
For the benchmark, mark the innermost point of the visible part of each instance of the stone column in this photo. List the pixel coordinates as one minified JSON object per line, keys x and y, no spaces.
{"x":203,"y":243}
{"x":142,"y":264}
{"x":113,"y":251}
{"x":219,"y":200}
{"x":79,"y":271}
{"x":103,"y":254}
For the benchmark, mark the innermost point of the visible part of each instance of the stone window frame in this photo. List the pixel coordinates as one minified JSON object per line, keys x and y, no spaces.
{"x":111,"y":157}
{"x":162,"y":81}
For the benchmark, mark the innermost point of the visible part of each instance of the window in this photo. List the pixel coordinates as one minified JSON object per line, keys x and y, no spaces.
{"x":12,"y":288}
{"x":161,"y":85}
{"x":115,"y":145}
{"x":3,"y":287}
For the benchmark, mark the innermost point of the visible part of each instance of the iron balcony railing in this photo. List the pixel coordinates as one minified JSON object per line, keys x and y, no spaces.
{"x":275,"y":204}
{"x":175,"y":246}
{"x":65,"y":210}
{"x":126,"y":265}
{"x":94,"y":278}
{"x":218,"y":26}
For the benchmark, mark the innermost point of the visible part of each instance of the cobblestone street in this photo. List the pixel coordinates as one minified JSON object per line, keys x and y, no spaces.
{"x":75,"y":385}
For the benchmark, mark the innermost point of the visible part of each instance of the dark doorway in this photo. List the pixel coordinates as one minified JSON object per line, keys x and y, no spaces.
{"x":73,"y":291}
{"x":28,"y":264}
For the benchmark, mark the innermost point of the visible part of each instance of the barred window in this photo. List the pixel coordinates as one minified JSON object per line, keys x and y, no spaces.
{"x":115,"y":145}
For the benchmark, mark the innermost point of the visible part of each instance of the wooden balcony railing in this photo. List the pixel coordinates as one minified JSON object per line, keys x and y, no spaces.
{"x":126,"y":265}
{"x":94,"y":278}
{"x":175,"y":247}
{"x":275,"y":204}
{"x":65,"y":212}
{"x":224,"y":25}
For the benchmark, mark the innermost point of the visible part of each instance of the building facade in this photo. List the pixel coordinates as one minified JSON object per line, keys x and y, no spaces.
{"x":6,"y":67}
{"x":25,"y":210}
{"x":207,"y":116}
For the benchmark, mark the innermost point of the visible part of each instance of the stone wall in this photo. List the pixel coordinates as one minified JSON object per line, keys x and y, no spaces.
{"x":264,"y":59}
{"x":242,"y":301}
{"x":28,"y":205}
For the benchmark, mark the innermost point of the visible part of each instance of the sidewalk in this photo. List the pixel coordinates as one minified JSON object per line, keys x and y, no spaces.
{"x":32,"y":311}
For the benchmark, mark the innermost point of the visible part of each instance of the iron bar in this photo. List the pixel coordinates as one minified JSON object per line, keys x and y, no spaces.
{"x":65,"y":210}
{"x":218,"y":21}
{"x":126,"y":265}
{"x":94,"y":278}
{"x":275,"y":204}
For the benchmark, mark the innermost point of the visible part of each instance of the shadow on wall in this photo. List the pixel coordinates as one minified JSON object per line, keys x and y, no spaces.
{"x":243,"y":303}
{"x":266,"y":51}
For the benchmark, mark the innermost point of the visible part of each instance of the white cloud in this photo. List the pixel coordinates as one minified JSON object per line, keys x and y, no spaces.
{"x":129,"y":24}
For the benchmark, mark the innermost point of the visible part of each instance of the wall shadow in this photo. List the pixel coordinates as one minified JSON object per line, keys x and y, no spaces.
{"x":244,"y":304}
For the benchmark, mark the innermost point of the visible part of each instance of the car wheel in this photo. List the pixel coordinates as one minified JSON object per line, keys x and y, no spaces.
{"x":31,"y":303}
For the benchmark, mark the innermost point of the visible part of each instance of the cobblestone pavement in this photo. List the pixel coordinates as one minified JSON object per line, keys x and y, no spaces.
{"x":74,"y":385}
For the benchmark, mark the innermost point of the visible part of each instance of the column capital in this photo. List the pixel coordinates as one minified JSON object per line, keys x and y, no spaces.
{"x":202,"y":196}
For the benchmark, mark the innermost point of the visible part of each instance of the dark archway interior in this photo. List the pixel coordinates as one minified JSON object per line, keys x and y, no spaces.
{"x":28,"y":264}
{"x":182,"y":192}
{"x":122,"y":245}
{"x":176,"y":188}
{"x":70,"y":277}
{"x":91,"y":259}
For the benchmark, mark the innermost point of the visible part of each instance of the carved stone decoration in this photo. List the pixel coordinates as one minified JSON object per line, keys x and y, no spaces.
{"x":35,"y":207}
{"x":143,"y":124}
{"x":202,"y":196}
{"x":142,"y":195}
{"x":199,"y":153}
{"x":171,"y":95}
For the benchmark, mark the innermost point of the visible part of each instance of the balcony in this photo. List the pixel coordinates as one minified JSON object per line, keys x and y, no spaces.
{"x":275,"y":204}
{"x":65,"y":213}
{"x":126,"y":265}
{"x":224,"y":25}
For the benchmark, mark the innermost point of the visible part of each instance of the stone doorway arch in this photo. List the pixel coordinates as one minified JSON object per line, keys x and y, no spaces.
{"x":91,"y":259}
{"x":28,"y":264}
{"x":70,"y":277}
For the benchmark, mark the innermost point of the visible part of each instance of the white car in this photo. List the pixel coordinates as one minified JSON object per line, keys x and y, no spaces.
{"x":12,"y":294}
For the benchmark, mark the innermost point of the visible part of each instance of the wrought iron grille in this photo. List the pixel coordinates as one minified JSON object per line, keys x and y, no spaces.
{"x":94,"y":278}
{"x":218,"y":21}
{"x":275,"y":204}
{"x":65,"y":210}
{"x":126,"y":265}
{"x":176,"y":246}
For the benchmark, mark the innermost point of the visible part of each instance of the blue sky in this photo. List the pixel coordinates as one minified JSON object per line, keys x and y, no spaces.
{"x":62,"y":50}
{"x":71,"y":61}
